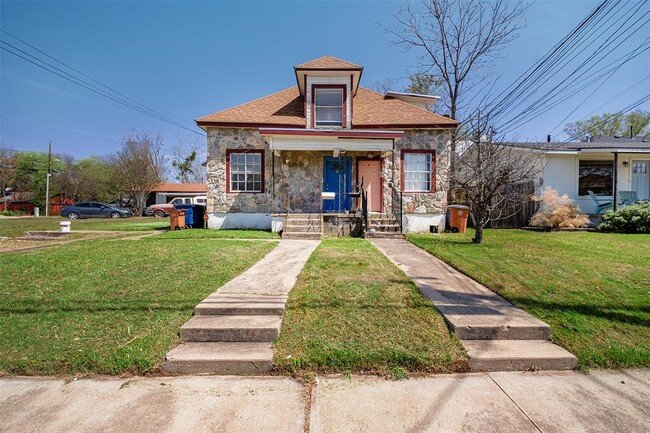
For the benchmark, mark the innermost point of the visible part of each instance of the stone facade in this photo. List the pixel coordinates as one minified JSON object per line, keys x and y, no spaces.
{"x":425,"y":203}
{"x":298,"y":180}
{"x":219,"y":201}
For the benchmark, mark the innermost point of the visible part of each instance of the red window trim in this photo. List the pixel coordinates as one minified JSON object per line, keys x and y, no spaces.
{"x":231,"y":151}
{"x":313,"y":103}
{"x":433,"y":169}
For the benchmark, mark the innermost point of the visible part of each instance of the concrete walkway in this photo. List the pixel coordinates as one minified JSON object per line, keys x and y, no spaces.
{"x":232,"y":329}
{"x":496,"y":335}
{"x":603,"y":401}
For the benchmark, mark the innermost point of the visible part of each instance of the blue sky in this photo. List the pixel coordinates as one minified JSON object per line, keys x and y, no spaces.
{"x":187,"y":59}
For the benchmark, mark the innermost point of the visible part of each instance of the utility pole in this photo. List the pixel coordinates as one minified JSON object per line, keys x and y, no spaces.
{"x":47,"y":182}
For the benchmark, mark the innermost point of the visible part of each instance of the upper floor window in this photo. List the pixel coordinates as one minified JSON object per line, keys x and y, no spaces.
{"x":329,"y":104}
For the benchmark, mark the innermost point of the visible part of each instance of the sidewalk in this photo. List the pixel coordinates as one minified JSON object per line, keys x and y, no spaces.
{"x":603,"y":401}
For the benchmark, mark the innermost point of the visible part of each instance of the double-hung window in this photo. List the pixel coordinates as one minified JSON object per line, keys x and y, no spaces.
{"x":245,"y":170}
{"x":328,"y":106}
{"x":417,"y":171}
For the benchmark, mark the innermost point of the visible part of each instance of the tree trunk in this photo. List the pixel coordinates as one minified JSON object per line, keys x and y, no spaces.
{"x":478,"y":237}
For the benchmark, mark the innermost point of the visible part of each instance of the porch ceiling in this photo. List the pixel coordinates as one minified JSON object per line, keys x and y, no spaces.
{"x":315,"y":139}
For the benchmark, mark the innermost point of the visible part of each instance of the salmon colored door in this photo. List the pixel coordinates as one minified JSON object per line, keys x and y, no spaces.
{"x":369,"y":171}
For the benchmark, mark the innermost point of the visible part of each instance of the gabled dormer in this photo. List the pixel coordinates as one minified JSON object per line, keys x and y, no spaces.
{"x":328,"y":85}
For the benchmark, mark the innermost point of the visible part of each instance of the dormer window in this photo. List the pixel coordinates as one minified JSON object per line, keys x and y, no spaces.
{"x":329,"y":106}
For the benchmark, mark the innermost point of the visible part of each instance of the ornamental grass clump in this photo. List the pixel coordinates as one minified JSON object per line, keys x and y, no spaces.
{"x":557,"y":212}
{"x":629,"y":219}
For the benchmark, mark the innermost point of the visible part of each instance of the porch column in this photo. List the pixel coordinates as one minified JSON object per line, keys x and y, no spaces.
{"x":615,"y":180}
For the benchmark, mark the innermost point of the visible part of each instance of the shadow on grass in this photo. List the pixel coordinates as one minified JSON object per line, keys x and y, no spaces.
{"x":95,"y":308}
{"x":597,"y":311}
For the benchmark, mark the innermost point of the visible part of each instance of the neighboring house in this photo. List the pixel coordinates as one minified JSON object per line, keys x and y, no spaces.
{"x":308,"y":148}
{"x":22,"y":202}
{"x":604,"y":165}
{"x":165,"y":192}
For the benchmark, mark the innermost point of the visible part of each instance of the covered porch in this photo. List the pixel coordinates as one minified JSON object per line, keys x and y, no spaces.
{"x":329,"y":181}
{"x":324,"y":171}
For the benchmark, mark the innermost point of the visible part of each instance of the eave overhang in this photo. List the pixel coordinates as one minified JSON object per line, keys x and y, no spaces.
{"x":336,"y":139}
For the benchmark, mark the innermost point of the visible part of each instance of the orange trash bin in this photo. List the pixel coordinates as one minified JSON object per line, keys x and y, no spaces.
{"x":458,"y":216}
{"x":176,"y":219}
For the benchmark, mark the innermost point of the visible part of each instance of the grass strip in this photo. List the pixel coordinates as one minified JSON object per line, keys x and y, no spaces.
{"x":352,"y":310}
{"x":593,"y":289}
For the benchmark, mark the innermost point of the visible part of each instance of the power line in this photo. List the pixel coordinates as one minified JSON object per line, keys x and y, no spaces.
{"x":110,"y":93}
{"x":561,"y":56}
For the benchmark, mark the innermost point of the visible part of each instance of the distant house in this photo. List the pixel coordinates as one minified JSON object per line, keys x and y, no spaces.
{"x":311,"y":148}
{"x":604,"y":165}
{"x":23,"y":202}
{"x":165,"y":192}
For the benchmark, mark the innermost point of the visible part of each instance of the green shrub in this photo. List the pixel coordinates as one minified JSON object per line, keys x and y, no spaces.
{"x":629,"y":219}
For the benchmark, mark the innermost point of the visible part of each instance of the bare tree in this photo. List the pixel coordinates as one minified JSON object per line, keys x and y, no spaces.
{"x":138,"y":166}
{"x":188,"y":155}
{"x":458,"y":40}
{"x":384,"y":86}
{"x":488,"y":169}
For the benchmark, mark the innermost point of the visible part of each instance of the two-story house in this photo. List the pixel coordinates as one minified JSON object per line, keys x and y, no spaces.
{"x":306,"y":152}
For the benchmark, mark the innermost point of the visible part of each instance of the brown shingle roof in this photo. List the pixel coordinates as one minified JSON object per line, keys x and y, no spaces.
{"x":182,"y":187}
{"x":328,"y":62}
{"x":371,"y":109}
{"x":286,"y":108}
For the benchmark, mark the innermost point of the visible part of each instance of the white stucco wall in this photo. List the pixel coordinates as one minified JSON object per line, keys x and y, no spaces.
{"x":223,"y":221}
{"x":417,"y":223}
{"x":561,"y":174}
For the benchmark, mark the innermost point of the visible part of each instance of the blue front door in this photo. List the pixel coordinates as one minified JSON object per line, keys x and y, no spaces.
{"x":337,"y":178}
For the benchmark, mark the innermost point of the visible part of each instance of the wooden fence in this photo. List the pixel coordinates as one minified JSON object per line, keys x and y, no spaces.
{"x":514,"y":213}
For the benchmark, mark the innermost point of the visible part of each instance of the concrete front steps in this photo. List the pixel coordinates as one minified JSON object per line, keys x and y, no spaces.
{"x":303,"y":226}
{"x":228,"y":334}
{"x":220,"y":358}
{"x":517,"y":355}
{"x":381,"y":225}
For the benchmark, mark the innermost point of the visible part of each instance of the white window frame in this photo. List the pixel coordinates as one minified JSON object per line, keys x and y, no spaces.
{"x":429,"y":173}
{"x":247,"y":171}
{"x":340,"y":89}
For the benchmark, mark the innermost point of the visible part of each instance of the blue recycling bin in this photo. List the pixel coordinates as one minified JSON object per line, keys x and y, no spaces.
{"x":193,"y":214}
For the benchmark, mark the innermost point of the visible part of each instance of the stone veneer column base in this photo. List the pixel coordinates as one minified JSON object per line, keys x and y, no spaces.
{"x":414,"y":223}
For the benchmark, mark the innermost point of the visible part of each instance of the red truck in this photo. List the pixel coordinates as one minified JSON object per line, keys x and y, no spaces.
{"x":162,"y":210}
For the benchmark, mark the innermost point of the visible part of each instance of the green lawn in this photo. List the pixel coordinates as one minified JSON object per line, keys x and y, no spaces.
{"x":593,"y":289}
{"x":108,"y":306}
{"x":14,"y":227}
{"x":352,"y":310}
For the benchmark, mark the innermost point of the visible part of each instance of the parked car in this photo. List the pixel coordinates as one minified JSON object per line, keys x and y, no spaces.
{"x":162,"y":210}
{"x":94,"y":209}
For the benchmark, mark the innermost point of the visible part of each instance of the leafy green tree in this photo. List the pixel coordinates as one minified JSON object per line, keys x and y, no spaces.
{"x":86,"y":179}
{"x":184,"y":167}
{"x":610,"y":124}
{"x":30,"y":175}
{"x":424,"y":84}
{"x":7,"y":169}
